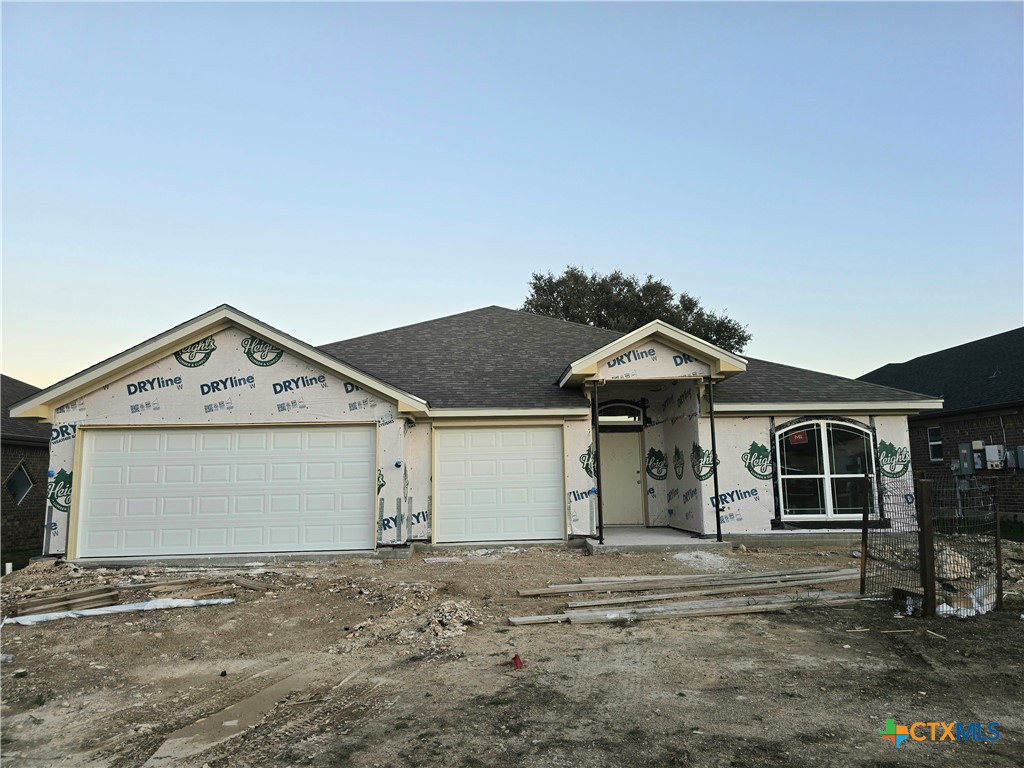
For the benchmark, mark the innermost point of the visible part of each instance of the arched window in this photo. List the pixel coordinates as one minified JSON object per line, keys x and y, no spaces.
{"x":821,"y":465}
{"x":620,"y":413}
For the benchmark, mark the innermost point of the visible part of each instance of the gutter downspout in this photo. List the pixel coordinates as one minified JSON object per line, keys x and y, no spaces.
{"x":714,"y":459}
{"x":595,"y":418}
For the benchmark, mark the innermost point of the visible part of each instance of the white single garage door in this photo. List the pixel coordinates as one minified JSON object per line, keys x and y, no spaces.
{"x":503,"y":484}
{"x":226,"y":490}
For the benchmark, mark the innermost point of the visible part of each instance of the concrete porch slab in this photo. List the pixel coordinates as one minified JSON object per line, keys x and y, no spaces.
{"x":636,"y":538}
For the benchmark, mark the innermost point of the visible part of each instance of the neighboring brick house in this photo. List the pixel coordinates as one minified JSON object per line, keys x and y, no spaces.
{"x":25,"y":465}
{"x":982,"y":386}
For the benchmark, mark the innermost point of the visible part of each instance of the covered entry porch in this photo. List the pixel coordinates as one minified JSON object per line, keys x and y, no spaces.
{"x":652,"y":418}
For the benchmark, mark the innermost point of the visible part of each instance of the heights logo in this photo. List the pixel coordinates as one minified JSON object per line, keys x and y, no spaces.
{"x":939,"y":731}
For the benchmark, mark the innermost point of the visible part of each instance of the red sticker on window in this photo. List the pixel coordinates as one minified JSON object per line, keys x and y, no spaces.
{"x":798,"y":438}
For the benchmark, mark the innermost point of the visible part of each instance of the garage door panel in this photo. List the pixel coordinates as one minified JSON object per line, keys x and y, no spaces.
{"x":183,"y":474}
{"x":176,"y":507}
{"x":216,"y":440}
{"x":184,"y":442}
{"x":512,"y":496}
{"x":144,"y":475}
{"x":287,"y":441}
{"x":105,"y":476}
{"x":214,"y":473}
{"x":515,"y":438}
{"x":252,"y":441}
{"x":229,"y":490}
{"x":499,"y":484}
{"x":515,"y":467}
{"x":105,"y":508}
{"x":248,"y":538}
{"x":136,"y":539}
{"x":175,"y":538}
{"x":136,"y":508}
{"x":144,"y":442}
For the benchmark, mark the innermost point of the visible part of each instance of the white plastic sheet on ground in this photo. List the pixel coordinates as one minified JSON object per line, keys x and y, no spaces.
{"x":151,"y":605}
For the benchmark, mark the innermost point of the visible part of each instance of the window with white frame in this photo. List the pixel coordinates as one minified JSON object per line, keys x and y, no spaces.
{"x":822,"y":464}
{"x":935,"y":443}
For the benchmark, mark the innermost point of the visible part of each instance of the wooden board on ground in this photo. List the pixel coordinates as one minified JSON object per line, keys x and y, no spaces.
{"x":667,"y":583}
{"x":766,"y":586}
{"x":95,"y":597}
{"x":606,"y":579}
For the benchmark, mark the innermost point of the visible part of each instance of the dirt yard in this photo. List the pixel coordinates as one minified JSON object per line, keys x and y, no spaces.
{"x":380,"y":663}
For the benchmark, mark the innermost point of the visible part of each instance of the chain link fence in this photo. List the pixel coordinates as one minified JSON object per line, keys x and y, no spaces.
{"x":934,"y":547}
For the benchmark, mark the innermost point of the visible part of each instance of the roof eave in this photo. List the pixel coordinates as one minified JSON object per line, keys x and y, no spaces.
{"x":892,"y":406}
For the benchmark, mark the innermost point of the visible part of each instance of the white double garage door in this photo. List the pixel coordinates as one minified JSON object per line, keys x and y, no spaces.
{"x":181,"y":491}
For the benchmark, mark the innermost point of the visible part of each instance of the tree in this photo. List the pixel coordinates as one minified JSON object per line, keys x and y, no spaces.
{"x":622,"y":303}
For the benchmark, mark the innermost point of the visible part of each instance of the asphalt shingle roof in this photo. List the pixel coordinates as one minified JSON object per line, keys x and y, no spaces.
{"x":21,"y":430}
{"x":978,"y":374}
{"x":486,"y":358}
{"x":767,"y":382}
{"x":503,"y":358}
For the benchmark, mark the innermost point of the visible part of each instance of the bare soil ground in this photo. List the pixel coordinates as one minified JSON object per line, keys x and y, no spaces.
{"x":383,"y":663}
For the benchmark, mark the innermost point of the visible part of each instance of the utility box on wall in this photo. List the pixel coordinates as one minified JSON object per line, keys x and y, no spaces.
{"x":966,"y":454}
{"x":995,"y":456}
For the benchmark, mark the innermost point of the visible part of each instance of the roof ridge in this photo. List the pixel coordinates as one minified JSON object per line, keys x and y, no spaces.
{"x":461,"y":314}
{"x":406,"y":327}
{"x":562,"y":320}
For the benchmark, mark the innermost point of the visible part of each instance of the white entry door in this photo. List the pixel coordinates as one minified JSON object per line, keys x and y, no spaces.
{"x":621,"y":479}
{"x":500,"y":484}
{"x":214,"y":490}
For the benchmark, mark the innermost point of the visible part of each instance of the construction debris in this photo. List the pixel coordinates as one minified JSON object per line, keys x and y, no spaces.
{"x":451,"y":619}
{"x":75,"y":599}
{"x":636,"y":584}
{"x":693,"y":608}
{"x":697,"y":585}
{"x":151,"y":605}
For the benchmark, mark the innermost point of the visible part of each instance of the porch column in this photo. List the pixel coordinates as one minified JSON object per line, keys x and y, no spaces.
{"x":595,"y":421}
{"x":714,"y":458}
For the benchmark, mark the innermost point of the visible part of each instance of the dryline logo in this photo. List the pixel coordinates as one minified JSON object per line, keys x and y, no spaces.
{"x":935,"y":730}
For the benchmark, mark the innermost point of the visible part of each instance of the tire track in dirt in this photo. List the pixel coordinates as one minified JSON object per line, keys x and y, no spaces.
{"x":295,"y":729}
{"x":120,"y":751}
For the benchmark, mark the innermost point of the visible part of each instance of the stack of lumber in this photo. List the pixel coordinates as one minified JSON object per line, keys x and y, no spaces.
{"x":52,"y":601}
{"x":194,"y":588}
{"x":629,"y":607}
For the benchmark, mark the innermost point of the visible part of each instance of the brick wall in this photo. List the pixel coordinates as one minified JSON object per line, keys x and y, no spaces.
{"x":21,"y":525}
{"x":1005,"y":427}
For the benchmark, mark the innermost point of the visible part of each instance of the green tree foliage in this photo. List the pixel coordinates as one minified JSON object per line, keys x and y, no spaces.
{"x":622,"y":303}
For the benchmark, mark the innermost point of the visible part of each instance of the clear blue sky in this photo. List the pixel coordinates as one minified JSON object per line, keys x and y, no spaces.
{"x":844,"y":179}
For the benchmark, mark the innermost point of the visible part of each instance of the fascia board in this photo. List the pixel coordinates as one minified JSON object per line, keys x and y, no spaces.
{"x":459,"y":413}
{"x":913,"y":406}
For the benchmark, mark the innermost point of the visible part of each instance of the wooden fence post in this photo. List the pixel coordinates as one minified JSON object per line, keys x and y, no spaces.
{"x":925,"y":493}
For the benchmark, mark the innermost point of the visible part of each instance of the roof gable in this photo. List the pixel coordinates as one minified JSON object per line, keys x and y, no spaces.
{"x":654,"y":351}
{"x":186,"y":342}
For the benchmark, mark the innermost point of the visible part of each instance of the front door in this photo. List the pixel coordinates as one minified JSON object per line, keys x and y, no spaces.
{"x":621,"y":478}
